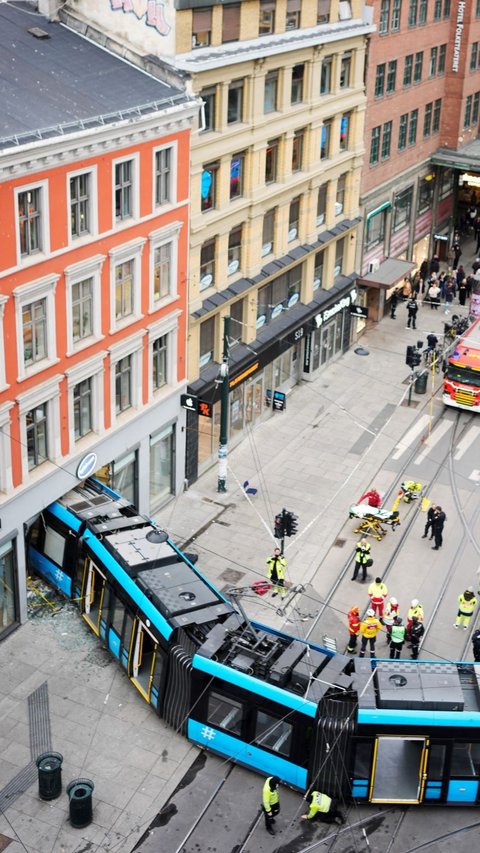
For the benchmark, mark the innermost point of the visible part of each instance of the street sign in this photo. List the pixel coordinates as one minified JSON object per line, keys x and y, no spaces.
{"x":189,"y":402}
{"x":205,"y":409}
{"x":279,"y":401}
{"x":358,"y":311}
{"x":86,"y":466}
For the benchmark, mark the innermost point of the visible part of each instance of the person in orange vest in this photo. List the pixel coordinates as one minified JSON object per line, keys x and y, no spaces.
{"x":378,"y":593}
{"x":353,"y":628}
{"x":369,"y":630}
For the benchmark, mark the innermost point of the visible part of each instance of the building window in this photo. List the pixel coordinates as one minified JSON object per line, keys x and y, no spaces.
{"x":123,"y":190}
{"x":474,"y":56}
{"x":402,"y":132}
{"x":403,"y":209}
{"x":30,"y":221}
{"x":278,"y":296}
{"x":442,"y":55}
{"x":237,"y":169}
{"x":294,"y":219}
{"x":162,"y":271}
{"x":379,"y":80}
{"x":235,"y":99}
{"x":159,"y":362}
{"x":427,"y":120}
{"x":408,"y":70}
{"x":433,"y":62}
{"x":236,"y":322}
{"x":417,"y":71}
{"x":477,"y":8}
{"x":267,"y":17}
{"x":163,"y":176}
{"x":209,"y":97}
{"x":437,"y":10}
{"x":34,"y":324}
{"x":271,"y":161}
{"x":321,"y":204}
{"x":326,"y":76}
{"x":325,"y":140}
{"x":412,"y":13}
{"x":436,"y":115}
{"x":446,"y":8}
{"x":339,"y":257}
{"x":123,"y":384}
{"x":384,"y":17}
{"x":297,"y":150}
{"x":268,"y":233}
{"x":412,"y":130}
{"x":162,"y":464}
{"x":468,"y":112}
{"x":293,"y":14}
{"x":234,"y":250}
{"x":270,"y":92}
{"x":375,"y":232}
{"x":82,"y":309}
{"x":425,"y":195}
{"x":207,"y":341}
{"x":8,"y":585}
{"x":207,"y":264}
{"x":318,"y":270}
{"x":386,"y":140}
{"x":201,"y":27}
{"x":476,"y":103}
{"x":345,"y":132}
{"x":345,"y":70}
{"x":323,"y":11}
{"x":209,"y":186}
{"x":124,"y":287}
{"x":396,"y":14}
{"x":231,"y":23}
{"x":422,"y":12}
{"x":80,"y":204}
{"x":340,"y":196}
{"x":375,"y":145}
{"x":391,"y":76}
{"x":82,"y":408}
{"x":36,"y":423}
{"x":298,"y":76}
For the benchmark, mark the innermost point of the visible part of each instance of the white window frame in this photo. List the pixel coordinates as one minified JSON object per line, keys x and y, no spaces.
{"x":92,"y":206}
{"x":25,"y":260}
{"x":92,"y":268}
{"x":126,"y":223}
{"x":159,"y":238}
{"x":3,"y":375}
{"x":92,"y":369}
{"x":168,"y":327}
{"x":47,"y":393}
{"x":42,"y":288}
{"x":173,"y":177}
{"x":131,"y":251}
{"x":129,"y":346}
{"x":6,"y":479}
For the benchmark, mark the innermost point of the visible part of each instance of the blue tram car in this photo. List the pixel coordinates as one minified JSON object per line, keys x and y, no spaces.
{"x":373,"y":731}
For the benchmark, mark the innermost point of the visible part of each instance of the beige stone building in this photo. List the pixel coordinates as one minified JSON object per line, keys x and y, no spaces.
{"x":275,"y":178}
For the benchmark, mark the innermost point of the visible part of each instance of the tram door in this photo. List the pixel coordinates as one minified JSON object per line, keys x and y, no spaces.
{"x":92,"y":595}
{"x":398,"y":774}
{"x":143,"y":653}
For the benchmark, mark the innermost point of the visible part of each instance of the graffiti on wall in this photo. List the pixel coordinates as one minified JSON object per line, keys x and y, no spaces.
{"x":152,"y":10}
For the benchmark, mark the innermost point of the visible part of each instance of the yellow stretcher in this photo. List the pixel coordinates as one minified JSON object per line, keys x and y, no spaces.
{"x":372,"y":520}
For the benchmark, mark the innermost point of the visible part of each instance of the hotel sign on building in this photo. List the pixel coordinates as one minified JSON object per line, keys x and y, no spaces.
{"x":457,"y":44}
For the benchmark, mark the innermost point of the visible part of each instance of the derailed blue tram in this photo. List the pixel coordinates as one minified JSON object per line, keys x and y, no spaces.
{"x":373,"y":731}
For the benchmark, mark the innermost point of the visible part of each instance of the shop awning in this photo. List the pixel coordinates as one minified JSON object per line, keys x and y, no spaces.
{"x":388,"y":274}
{"x":466,"y":159}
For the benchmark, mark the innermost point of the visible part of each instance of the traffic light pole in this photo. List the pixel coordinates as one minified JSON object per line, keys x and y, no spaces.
{"x":222,"y":447}
{"x":412,"y":380}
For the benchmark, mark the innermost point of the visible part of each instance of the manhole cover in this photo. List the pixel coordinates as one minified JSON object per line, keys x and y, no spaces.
{"x":232,"y":576}
{"x":4,"y":842}
{"x":339,"y":543}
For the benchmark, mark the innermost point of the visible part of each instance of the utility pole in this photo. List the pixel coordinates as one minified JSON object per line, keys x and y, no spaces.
{"x":222,"y":447}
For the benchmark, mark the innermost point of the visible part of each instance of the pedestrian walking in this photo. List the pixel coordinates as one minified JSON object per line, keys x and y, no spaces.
{"x":434,"y":264}
{"x":270,"y":802}
{"x":369,"y":630}
{"x":466,"y":605}
{"x":397,"y":638}
{"x":429,"y":524}
{"x":414,"y":611}
{"x":378,"y":593}
{"x":439,"y":519}
{"x":456,"y":250}
{"x":353,"y":627}
{"x":393,"y":305}
{"x":424,"y":270}
{"x":434,"y":295}
{"x":462,"y":291}
{"x":324,"y":808}
{"x":412,"y":309}
{"x":362,"y":559}
{"x":277,"y":565}
{"x":416,"y":633}
{"x":476,"y":645}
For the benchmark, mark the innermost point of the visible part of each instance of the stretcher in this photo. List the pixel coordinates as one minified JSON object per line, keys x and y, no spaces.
{"x":372,"y":520}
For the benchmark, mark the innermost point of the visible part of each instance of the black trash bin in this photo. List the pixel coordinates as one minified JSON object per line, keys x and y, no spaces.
{"x":421,"y":382}
{"x":49,"y":775}
{"x":80,"y":795}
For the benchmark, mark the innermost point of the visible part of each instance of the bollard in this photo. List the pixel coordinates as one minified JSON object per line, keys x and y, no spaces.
{"x":80,"y":795}
{"x":49,"y":775}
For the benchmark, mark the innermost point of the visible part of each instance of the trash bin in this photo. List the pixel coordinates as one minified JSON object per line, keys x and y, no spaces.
{"x":49,"y":775}
{"x":80,"y":795}
{"x":421,"y":382}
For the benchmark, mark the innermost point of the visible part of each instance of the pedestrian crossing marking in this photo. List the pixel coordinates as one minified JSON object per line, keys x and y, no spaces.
{"x":467,"y":441}
{"x":410,"y":436}
{"x":475,"y":476}
{"x":433,"y":440}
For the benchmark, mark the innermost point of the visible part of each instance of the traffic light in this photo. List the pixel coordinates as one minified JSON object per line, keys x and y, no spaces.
{"x":291,"y":523}
{"x":413,"y":356}
{"x":416,"y":358}
{"x":278,"y":530}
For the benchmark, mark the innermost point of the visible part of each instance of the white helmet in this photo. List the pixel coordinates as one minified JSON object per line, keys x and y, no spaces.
{"x":393,"y":600}
{"x":370,"y":612}
{"x":414,"y":602}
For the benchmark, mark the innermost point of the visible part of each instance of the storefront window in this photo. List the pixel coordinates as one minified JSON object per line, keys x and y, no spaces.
{"x":375,"y":233}
{"x":236,"y":409}
{"x":425,"y":195}
{"x":446,"y":183}
{"x":125,"y":476}
{"x":403,"y":209}
{"x":7,"y":585}
{"x":208,"y":435}
{"x":162,"y":467}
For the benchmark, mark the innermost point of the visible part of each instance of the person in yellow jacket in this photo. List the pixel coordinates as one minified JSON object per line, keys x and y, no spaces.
{"x":377,"y":592}
{"x":369,"y":630}
{"x":324,"y":808}
{"x":270,"y":802}
{"x":277,"y":565}
{"x":466,"y":605}
{"x":415,"y":609}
